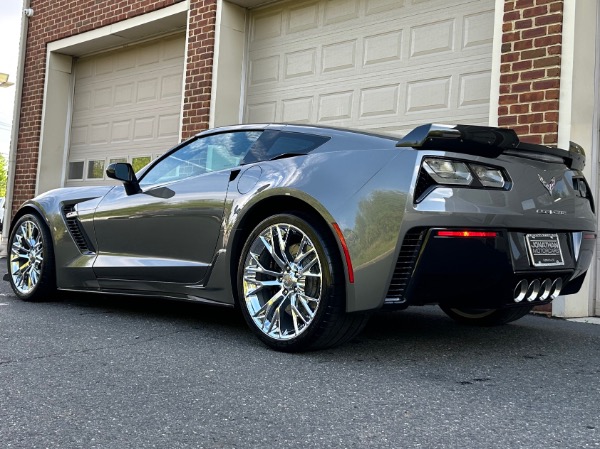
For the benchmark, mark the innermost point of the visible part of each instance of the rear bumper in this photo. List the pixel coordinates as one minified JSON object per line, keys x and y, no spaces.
{"x":484,"y":272}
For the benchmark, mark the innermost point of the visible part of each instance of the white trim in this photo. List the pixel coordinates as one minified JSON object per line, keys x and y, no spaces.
{"x":12,"y":152}
{"x":68,"y":128}
{"x":496,"y":63}
{"x":184,"y":77}
{"x":119,"y":27}
{"x":594,"y":306}
{"x":215,"y":65}
{"x":243,"y":81}
{"x":43,"y":125}
{"x":566,"y":75}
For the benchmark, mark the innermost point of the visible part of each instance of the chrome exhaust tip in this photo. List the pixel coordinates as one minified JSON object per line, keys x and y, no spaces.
{"x":520,"y":291}
{"x":557,"y":286}
{"x":533,"y":290}
{"x":546,"y":289}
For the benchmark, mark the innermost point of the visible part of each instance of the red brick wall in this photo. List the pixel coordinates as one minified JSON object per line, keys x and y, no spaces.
{"x":57,"y":19}
{"x":530,"y":69}
{"x":198,"y":81}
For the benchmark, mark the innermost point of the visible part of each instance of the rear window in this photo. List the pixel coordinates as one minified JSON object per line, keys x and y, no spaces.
{"x":277,"y":143}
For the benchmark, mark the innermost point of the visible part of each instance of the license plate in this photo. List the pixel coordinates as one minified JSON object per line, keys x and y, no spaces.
{"x":544,"y":250}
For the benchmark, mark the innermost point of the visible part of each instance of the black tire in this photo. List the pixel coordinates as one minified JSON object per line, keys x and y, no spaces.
{"x":31,"y":267}
{"x":329,"y":325}
{"x":486,"y":317}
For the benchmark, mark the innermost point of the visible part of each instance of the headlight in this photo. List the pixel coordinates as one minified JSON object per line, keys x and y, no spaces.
{"x":444,"y":171}
{"x":488,"y":176}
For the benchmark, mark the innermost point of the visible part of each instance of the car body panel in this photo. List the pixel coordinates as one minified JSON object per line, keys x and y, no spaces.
{"x":179,"y":240}
{"x":154,"y":235}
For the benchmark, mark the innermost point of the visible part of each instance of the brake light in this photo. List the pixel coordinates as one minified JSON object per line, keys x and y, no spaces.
{"x":479,"y":234}
{"x":589,"y":235}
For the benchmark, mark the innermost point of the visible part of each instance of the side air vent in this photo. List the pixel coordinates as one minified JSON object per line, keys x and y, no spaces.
{"x":404,"y":267}
{"x":76,"y":230}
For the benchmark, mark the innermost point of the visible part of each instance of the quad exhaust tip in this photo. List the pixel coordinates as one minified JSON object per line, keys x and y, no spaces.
{"x":537,"y":290}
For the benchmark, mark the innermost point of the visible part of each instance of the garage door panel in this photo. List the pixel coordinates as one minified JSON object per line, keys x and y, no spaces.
{"x":117,"y":111}
{"x":458,"y":96}
{"x":126,"y":105}
{"x":370,"y":63}
{"x":371,"y":55}
{"x":269,"y":25}
{"x":115,"y":129}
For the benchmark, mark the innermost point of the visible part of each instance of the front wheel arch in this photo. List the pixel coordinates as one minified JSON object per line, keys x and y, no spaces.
{"x":38,"y":246}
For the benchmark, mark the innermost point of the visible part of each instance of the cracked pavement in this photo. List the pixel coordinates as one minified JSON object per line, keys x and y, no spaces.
{"x":93,"y":371}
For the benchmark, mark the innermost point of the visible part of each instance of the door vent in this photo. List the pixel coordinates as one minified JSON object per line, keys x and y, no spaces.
{"x":76,"y":230}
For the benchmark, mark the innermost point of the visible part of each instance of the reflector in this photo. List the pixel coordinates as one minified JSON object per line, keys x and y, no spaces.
{"x":338,"y":231}
{"x":479,"y":234}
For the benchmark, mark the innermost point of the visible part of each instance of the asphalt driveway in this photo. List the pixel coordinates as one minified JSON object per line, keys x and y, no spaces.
{"x":95,"y":371}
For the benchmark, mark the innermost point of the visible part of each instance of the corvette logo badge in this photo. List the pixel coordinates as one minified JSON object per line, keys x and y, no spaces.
{"x":549,"y":185}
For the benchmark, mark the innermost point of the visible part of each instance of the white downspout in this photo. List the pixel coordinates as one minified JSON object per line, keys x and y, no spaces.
{"x":12,"y":154}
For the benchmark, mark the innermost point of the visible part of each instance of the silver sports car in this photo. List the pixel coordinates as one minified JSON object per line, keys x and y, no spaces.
{"x":308,"y":229}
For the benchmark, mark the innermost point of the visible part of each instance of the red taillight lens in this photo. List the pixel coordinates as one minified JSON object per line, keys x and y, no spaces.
{"x":589,"y":235}
{"x":479,"y":234}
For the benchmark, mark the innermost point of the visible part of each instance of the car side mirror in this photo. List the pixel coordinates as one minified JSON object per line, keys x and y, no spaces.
{"x":122,"y":171}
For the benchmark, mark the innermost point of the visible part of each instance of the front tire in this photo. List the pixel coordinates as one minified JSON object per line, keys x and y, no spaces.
{"x":291,"y":286}
{"x":486,"y":317}
{"x":30,"y":260}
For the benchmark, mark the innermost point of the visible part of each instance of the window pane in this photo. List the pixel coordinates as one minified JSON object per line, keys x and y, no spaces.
{"x":76,"y":170}
{"x":295,"y":143}
{"x":118,"y":159}
{"x":140,"y":162}
{"x":275,"y":143}
{"x":95,"y":169}
{"x":205,"y":154}
{"x":228,"y":149}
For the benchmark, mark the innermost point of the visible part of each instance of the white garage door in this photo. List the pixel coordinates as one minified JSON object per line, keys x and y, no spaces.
{"x":372,"y":64}
{"x":126,"y":107}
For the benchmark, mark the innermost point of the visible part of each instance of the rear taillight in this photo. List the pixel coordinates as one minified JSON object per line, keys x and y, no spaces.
{"x":467,"y":233}
{"x":437,"y":171}
{"x":582,"y":189}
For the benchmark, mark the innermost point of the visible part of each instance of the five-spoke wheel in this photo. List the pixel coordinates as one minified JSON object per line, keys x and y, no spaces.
{"x":30,"y":261}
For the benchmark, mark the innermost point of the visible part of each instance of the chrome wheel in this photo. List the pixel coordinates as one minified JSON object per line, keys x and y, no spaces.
{"x":26,"y":256}
{"x":282,"y":281}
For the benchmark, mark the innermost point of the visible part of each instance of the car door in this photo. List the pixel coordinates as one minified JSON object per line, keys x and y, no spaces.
{"x":168,"y":232}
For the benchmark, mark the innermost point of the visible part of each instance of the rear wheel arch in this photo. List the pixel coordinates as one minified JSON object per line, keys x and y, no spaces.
{"x":280,"y":204}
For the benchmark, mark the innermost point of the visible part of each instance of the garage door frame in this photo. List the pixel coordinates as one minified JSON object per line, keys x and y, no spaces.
{"x":404,"y":73}
{"x":58,"y":85}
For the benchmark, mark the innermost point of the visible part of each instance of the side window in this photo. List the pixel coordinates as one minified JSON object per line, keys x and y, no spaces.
{"x":202,"y":155}
{"x":276,"y":143}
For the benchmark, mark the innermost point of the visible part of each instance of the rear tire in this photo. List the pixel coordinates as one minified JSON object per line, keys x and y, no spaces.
{"x":291,"y":286}
{"x":31,"y":268}
{"x":486,"y":317}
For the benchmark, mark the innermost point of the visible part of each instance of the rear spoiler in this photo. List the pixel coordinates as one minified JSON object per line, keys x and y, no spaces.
{"x":488,"y":142}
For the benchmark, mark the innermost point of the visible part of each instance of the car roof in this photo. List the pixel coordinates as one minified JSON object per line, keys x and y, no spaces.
{"x":310,"y":129}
